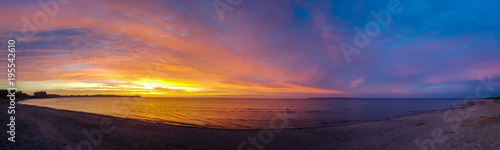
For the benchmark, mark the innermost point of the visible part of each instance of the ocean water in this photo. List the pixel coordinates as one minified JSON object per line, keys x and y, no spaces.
{"x":244,"y":113}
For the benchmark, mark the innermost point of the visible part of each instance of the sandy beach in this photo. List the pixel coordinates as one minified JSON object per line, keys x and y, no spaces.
{"x":466,"y":127}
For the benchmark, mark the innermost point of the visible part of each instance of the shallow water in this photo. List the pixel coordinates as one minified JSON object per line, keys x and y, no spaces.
{"x":245,"y":113}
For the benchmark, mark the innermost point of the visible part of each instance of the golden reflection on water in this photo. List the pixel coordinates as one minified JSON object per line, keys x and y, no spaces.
{"x":242,"y":113}
{"x":211,"y":113}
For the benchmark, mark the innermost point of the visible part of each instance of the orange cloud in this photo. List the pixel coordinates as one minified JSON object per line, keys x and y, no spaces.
{"x":156,"y":51}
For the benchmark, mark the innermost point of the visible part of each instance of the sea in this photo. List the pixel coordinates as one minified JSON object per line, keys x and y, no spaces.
{"x":247,"y":113}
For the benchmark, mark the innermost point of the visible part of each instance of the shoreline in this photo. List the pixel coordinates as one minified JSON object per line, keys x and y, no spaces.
{"x":50,"y":128}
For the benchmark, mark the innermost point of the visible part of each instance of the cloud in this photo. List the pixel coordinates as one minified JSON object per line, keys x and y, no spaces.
{"x":262,"y":48}
{"x":355,"y":83}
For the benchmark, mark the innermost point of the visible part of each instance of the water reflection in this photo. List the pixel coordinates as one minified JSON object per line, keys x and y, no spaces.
{"x":244,"y":113}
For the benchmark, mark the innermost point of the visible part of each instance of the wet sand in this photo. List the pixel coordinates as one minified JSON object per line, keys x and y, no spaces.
{"x":466,"y":127}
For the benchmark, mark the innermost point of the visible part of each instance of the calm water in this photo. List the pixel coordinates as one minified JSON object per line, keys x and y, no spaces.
{"x":245,"y":113}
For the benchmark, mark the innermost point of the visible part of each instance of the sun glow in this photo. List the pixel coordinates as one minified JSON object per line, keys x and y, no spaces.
{"x":164,"y":85}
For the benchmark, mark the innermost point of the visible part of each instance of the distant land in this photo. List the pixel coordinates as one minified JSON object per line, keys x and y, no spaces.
{"x":43,"y":94}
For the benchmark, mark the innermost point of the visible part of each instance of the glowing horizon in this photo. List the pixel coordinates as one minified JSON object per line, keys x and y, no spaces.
{"x":261,"y":49}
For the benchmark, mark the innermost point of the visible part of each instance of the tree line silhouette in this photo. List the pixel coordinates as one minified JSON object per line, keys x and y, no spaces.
{"x":43,"y":94}
{"x":22,"y":95}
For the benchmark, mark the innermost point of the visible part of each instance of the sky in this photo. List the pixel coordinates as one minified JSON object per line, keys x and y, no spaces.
{"x":256,"y":48}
